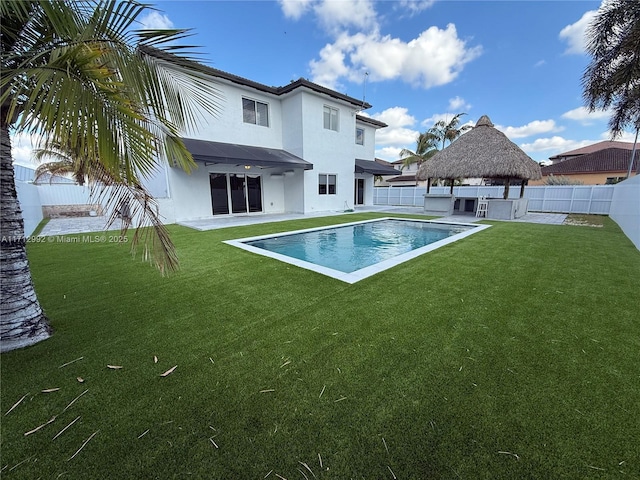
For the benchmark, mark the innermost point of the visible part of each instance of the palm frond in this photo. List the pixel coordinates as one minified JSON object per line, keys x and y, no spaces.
{"x":81,"y":76}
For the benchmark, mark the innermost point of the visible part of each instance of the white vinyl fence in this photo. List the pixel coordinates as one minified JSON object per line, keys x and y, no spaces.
{"x":64,"y":195}
{"x":586,"y":199}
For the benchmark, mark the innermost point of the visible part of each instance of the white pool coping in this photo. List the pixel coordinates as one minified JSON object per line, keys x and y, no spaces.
{"x":363,"y":273}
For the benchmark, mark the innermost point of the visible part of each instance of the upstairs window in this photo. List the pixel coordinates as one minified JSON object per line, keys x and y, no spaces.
{"x":255,"y":112}
{"x":359,"y":136}
{"x":331,"y":118}
{"x":326,"y":184}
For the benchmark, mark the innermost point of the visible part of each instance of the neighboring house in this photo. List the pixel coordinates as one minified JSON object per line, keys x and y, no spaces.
{"x":590,"y":149}
{"x":598,"y":164}
{"x":406,"y":177}
{"x":299,"y":148}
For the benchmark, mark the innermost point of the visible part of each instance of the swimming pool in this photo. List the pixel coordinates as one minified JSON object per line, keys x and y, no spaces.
{"x":357,"y":250}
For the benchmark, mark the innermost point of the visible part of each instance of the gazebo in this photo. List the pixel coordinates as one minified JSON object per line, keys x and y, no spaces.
{"x":482,"y":152}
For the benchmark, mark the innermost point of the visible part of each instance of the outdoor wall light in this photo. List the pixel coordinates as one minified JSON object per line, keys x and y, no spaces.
{"x":247,"y":167}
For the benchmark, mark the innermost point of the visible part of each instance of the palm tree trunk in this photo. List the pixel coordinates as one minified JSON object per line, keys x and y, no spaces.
{"x":22,"y":322}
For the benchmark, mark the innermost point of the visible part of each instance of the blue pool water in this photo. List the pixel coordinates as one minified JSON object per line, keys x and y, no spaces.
{"x":353,"y":247}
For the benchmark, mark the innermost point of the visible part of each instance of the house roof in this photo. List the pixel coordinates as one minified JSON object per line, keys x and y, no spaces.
{"x":229,"y":77}
{"x":383,"y":162}
{"x":374,"y":168}
{"x":483,"y":151}
{"x":594,"y":148}
{"x":402,"y":178}
{"x":601,"y":161}
{"x":371,"y":121}
{"x":208,"y":152}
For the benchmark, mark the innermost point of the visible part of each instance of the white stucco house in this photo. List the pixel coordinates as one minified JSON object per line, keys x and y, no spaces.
{"x":300,"y":148}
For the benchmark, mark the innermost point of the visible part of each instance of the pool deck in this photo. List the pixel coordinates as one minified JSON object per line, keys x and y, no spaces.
{"x":64,"y":226}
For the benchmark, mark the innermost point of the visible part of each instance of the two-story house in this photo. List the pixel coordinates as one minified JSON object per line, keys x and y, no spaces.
{"x":300,"y":148}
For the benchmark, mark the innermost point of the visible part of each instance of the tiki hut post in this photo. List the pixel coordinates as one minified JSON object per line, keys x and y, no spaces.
{"x":507,"y":181}
{"x":428,"y":184}
{"x":522,"y":185}
{"x":451,"y":189}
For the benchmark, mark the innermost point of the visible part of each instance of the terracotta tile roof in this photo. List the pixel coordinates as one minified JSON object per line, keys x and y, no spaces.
{"x":594,"y":148}
{"x":607,"y":160}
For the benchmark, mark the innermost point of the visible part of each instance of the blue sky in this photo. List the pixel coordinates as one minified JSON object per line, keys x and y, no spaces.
{"x":520,"y":62}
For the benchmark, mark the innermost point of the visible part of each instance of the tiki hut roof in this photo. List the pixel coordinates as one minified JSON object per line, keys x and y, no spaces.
{"x":481,"y":152}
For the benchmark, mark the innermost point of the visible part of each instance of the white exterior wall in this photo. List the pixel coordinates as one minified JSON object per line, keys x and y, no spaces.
{"x":228,"y":125}
{"x":366,"y":152}
{"x":296,"y":125}
{"x":191,"y":193}
{"x":330,"y":152}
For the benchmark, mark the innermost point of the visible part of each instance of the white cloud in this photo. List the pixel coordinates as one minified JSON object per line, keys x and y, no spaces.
{"x":625,"y":137}
{"x":155,"y":21}
{"x":415,"y":6}
{"x":584,"y":116}
{"x":574,"y":34}
{"x":535,"y":127}
{"x":445,"y":117}
{"x":294,"y":9}
{"x":457,"y":104}
{"x":395,"y":117}
{"x":399,"y":133}
{"x":556,"y":144}
{"x":335,"y":16}
{"x":540,"y":63}
{"x":435,"y":58}
{"x":22,"y":146}
{"x":390,"y":154}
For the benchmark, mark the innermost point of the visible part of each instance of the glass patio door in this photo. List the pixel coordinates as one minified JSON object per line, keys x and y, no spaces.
{"x":243,"y":193}
{"x":219,"y":193}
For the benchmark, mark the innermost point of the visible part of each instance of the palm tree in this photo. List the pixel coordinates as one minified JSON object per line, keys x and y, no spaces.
{"x":425,"y":149}
{"x":80,"y":75}
{"x":441,"y":132}
{"x":63,"y":160}
{"x":444,"y":131}
{"x":612,"y":79}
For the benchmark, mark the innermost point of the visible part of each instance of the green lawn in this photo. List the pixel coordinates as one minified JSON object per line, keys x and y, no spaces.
{"x":512,"y":354}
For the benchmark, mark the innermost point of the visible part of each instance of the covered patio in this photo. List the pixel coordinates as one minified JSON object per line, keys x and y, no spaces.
{"x":483,"y":152}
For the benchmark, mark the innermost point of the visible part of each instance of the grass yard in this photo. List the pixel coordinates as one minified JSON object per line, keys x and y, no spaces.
{"x":512,"y":354}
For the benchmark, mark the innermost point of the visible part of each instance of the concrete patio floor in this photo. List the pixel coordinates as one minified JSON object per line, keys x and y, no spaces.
{"x":63,"y":226}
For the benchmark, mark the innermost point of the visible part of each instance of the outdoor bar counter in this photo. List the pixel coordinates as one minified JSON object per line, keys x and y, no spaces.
{"x":442,"y":205}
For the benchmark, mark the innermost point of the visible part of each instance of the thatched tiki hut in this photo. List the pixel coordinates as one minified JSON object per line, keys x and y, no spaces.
{"x":481,"y":152}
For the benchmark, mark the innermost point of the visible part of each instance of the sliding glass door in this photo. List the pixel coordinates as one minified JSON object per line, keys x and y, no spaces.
{"x":219,"y":193}
{"x":242,"y":192}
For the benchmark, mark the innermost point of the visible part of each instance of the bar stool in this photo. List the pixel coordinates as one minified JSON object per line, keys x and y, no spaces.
{"x":483,"y":207}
